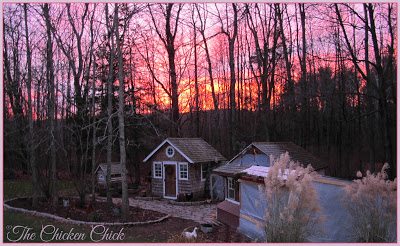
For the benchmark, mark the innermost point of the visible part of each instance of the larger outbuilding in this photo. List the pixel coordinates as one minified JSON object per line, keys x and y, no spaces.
{"x":258,"y":154}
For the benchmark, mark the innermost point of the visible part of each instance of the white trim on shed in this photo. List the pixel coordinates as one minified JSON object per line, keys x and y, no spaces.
{"x":170,"y":143}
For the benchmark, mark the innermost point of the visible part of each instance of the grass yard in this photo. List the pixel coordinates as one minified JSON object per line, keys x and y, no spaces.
{"x":22,"y":187}
{"x":159,"y":232}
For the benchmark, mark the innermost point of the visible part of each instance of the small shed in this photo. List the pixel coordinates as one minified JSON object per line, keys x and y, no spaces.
{"x":182,"y":166}
{"x":335,"y":226}
{"x":101,"y":174}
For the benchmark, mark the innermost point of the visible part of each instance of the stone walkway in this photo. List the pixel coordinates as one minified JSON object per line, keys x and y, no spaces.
{"x":205,"y":213}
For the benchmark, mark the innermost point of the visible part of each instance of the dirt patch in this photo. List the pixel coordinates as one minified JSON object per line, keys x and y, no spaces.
{"x":224,"y":233}
{"x":97,"y":212}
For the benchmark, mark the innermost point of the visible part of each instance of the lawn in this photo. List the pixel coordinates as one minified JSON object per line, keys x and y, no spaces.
{"x":159,"y":232}
{"x":23,"y":187}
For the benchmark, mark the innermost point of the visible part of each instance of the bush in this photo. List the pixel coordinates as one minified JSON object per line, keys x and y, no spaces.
{"x":292,"y":201}
{"x":371,"y":202}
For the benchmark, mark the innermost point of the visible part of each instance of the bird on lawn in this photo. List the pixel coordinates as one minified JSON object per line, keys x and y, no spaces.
{"x":190,"y":235}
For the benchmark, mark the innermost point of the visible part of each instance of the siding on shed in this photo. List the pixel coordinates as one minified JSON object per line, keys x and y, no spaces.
{"x":194,"y":184}
{"x":157,"y":187}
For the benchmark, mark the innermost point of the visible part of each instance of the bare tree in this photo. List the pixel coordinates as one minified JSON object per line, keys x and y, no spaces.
{"x":290,"y":84}
{"x":380,"y":68}
{"x":231,"y":36}
{"x":168,"y":40}
{"x":121,"y":121}
{"x":51,"y":103}
{"x":202,"y":29}
{"x":30,"y":142}
{"x":196,"y":79}
{"x":94,"y":125}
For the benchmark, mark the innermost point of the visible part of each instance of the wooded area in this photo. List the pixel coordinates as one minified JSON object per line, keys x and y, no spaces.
{"x":320,"y":75}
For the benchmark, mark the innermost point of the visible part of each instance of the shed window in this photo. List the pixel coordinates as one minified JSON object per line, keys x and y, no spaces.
{"x":157,"y":170}
{"x":183,"y":171}
{"x":204,"y":171}
{"x":170,"y":151}
{"x":231,"y":188}
{"x":101,"y":177}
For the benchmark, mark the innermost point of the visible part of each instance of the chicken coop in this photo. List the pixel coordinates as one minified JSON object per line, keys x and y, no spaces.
{"x":115,"y":177}
{"x":181,"y":167}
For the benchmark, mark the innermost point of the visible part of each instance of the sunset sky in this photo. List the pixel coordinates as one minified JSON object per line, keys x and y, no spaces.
{"x":142,"y":43}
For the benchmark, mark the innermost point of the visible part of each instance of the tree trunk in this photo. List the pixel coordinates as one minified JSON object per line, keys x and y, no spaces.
{"x":121,"y":122}
{"x":51,"y":103}
{"x":196,"y":83}
{"x":290,"y":87}
{"x":94,"y":78}
{"x":110,"y":93}
{"x":170,"y":46}
{"x":383,"y":105}
{"x":232,"y":86}
{"x":303,"y":63}
{"x":31,"y":151}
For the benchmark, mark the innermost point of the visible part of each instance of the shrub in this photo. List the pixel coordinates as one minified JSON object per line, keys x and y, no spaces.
{"x":291,"y":201}
{"x":371,"y":202}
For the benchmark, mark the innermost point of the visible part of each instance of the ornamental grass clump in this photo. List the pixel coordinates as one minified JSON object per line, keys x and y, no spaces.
{"x":292,"y":202}
{"x":371,"y":202}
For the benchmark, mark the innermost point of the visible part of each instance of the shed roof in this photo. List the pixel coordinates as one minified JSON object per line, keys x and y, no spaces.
{"x":230,"y":169}
{"x":194,"y":150}
{"x":296,"y":153}
{"x":275,"y":149}
{"x":260,"y":172}
{"x":115,"y":168}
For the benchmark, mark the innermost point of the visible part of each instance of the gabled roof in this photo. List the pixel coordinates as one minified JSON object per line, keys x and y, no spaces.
{"x":275,"y":149}
{"x":296,"y":153}
{"x":194,"y":150}
{"x":115,"y":168}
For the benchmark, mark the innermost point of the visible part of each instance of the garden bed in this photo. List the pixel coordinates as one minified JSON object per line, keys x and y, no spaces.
{"x":99,"y":212}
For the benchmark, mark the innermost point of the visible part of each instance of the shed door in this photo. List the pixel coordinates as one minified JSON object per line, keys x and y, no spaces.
{"x":170,"y":180}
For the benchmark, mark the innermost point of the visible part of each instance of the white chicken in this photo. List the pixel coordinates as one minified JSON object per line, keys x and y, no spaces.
{"x":190,"y":235}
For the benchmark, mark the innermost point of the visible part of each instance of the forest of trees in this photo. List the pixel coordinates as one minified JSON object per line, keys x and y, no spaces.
{"x":320,"y":75}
